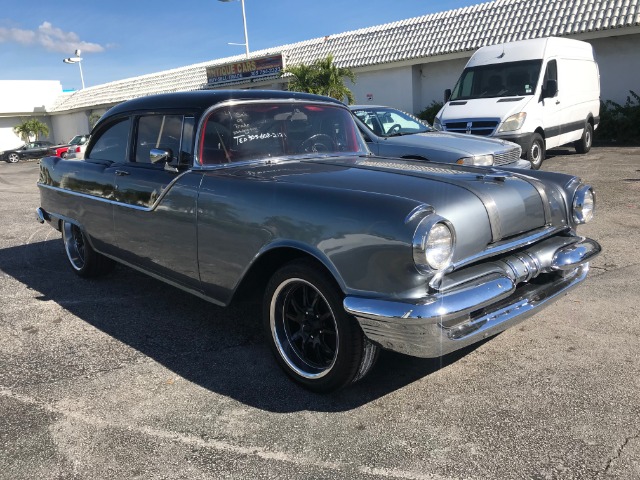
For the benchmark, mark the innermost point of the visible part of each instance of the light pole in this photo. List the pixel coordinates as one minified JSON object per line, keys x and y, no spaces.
{"x":77,"y":59}
{"x":244,"y":21}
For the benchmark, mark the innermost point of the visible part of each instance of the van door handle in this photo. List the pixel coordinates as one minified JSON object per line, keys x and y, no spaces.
{"x":557,"y":102}
{"x":121,"y":173}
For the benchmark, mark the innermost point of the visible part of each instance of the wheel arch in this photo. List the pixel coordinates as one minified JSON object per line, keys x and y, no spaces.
{"x":257,"y":275}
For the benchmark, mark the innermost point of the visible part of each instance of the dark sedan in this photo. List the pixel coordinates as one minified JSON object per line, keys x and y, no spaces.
{"x":36,"y":149}
{"x":227,"y":193}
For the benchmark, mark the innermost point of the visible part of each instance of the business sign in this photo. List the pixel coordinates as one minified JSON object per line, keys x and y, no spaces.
{"x":247,"y":70}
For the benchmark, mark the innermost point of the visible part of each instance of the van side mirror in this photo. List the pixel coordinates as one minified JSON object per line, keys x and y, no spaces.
{"x":550,"y":89}
{"x":447,"y":95}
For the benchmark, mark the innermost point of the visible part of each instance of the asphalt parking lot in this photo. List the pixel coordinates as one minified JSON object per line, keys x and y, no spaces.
{"x":125,"y":377}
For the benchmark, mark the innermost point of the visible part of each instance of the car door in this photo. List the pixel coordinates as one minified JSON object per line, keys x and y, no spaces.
{"x":551,"y":106}
{"x":155,"y":203}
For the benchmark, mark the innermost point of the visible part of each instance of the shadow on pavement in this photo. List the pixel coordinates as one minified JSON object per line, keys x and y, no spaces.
{"x":220,"y":349}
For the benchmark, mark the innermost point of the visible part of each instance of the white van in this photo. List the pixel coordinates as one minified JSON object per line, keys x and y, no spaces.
{"x":539,"y":93}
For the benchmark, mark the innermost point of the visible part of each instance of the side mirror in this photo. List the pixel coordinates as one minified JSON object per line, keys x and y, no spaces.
{"x":158,"y":155}
{"x":447,"y":95}
{"x":550,"y":89}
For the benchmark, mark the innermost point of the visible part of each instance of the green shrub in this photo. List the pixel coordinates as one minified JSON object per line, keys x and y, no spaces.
{"x":620,"y":123}
{"x":429,"y":113}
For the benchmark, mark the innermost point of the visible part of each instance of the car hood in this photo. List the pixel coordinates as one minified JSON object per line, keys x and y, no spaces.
{"x":457,"y":145}
{"x":482,"y":203}
{"x":485,"y":108}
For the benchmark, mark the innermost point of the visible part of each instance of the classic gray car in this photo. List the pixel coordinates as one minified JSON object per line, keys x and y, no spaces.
{"x":224,"y":192}
{"x":390,"y":132}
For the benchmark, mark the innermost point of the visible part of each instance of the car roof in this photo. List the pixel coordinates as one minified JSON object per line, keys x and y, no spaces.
{"x":200,"y":100}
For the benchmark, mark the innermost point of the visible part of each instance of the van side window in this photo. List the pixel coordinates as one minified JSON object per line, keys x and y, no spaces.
{"x":551,"y":73}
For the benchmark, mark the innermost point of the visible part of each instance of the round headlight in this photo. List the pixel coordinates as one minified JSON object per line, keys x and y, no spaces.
{"x":433,"y":245}
{"x":584,"y":203}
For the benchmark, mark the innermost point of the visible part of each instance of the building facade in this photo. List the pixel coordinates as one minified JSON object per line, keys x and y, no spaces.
{"x":406,"y":64}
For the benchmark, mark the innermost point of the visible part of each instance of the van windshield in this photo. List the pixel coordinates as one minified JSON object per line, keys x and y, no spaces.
{"x":498,"y":80}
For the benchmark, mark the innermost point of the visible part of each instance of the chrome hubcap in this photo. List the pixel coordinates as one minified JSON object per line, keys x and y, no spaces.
{"x":74,"y":245}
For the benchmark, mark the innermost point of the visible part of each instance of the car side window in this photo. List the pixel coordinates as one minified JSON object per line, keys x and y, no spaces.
{"x":551,"y":73}
{"x":158,"y":131}
{"x":112,"y":143}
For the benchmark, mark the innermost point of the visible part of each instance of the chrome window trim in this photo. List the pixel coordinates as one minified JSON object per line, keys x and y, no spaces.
{"x":196,"y":164}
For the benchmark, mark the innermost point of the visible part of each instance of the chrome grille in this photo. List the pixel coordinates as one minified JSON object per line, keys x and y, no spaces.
{"x":474,"y":127}
{"x":507,"y":157}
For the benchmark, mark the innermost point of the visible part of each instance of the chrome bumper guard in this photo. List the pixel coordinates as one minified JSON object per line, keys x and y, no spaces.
{"x":478,"y":301}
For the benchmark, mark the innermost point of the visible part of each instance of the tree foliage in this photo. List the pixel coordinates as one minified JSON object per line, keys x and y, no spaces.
{"x":31,"y":128}
{"x":430,"y":112}
{"x":322,"y":77}
{"x":620,"y":123}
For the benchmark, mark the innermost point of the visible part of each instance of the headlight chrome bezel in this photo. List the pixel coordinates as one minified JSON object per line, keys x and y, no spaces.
{"x":421,"y":250}
{"x":477,"y":160}
{"x":583,"y":205}
{"x":513,"y":123}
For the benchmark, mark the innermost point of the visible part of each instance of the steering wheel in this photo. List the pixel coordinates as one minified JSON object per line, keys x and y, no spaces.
{"x":395,"y":128}
{"x":319,"y":143}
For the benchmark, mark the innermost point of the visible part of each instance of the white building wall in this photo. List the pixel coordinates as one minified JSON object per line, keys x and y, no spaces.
{"x":391,"y":86}
{"x":619,"y":64}
{"x":436,"y":77}
{"x":67,"y":126}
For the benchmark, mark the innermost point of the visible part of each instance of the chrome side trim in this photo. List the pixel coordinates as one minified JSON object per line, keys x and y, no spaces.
{"x":114,"y":202}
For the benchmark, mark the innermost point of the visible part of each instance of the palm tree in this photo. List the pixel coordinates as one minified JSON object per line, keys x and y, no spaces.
{"x":322,"y":77}
{"x":31,"y":127}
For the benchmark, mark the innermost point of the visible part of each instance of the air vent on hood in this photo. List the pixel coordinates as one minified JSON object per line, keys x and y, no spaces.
{"x":458,"y":103}
{"x":510,"y":99}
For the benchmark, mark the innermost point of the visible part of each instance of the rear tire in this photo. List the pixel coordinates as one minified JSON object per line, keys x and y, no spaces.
{"x":584,"y":144}
{"x":13,"y":158}
{"x":536,"y":151}
{"x":313,"y":339}
{"x":83,"y":259}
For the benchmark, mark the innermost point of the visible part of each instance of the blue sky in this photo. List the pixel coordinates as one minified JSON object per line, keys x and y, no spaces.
{"x":121,"y":39}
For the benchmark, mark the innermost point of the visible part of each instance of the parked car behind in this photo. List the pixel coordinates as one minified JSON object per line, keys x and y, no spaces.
{"x":36,"y":149}
{"x":390,"y":132}
{"x":76,"y":152}
{"x":76,"y":141}
{"x":226,"y":193}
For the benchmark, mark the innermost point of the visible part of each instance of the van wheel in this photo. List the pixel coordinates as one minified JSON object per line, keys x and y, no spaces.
{"x":83,"y":259}
{"x":584,"y":144}
{"x":536,"y":153}
{"x":315,"y":341}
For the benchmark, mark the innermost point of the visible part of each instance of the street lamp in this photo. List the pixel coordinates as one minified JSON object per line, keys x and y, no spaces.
{"x":244,"y":21}
{"x":77,"y":59}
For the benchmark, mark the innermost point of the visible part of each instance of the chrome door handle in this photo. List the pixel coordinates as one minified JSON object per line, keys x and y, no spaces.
{"x":121,"y":173}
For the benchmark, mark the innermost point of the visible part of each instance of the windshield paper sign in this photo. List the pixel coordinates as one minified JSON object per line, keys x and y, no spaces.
{"x":245,"y":70}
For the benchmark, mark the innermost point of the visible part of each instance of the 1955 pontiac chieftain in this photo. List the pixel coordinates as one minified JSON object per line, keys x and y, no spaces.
{"x":213,"y":190}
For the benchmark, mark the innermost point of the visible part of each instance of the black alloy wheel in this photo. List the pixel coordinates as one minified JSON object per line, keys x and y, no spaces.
{"x":313,"y":339}
{"x":84,"y":260}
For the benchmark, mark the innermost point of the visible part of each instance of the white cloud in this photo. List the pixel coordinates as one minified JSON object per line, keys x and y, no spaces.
{"x":51,"y":38}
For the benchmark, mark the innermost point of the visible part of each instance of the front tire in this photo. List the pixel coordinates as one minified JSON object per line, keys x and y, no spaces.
{"x":13,"y":158}
{"x":83,"y":259}
{"x":584,"y":144}
{"x":536,"y":151}
{"x":314,"y":340}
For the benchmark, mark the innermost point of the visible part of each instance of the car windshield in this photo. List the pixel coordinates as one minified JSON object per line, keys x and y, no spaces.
{"x":389,"y":122}
{"x":257,"y":130}
{"x":498,"y":80}
{"x":78,"y":140}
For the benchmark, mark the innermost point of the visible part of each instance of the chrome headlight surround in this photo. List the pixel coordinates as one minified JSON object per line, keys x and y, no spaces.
{"x":514,"y":122}
{"x":433,"y":245}
{"x":583,"y":205}
{"x":477,"y":160}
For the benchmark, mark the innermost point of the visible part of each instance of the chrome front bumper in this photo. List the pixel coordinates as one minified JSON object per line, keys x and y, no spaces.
{"x":476,"y":302}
